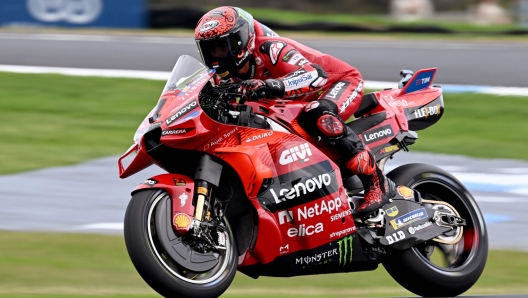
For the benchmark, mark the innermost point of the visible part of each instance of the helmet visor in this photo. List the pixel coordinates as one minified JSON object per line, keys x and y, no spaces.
{"x":219,"y":51}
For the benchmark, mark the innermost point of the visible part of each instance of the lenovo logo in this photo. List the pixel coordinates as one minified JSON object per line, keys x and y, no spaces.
{"x":377,"y":134}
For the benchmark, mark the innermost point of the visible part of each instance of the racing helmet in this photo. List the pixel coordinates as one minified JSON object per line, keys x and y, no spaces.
{"x":225,"y":37}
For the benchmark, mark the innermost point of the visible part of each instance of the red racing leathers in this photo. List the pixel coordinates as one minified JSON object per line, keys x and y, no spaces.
{"x":306,"y":73}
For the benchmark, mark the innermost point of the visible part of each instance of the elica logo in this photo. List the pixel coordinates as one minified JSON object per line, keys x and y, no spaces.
{"x":377,"y":134}
{"x":305,"y":212}
{"x":182,"y":112}
{"x":309,"y":185}
{"x":304,"y":230}
{"x":209,"y":25}
{"x":260,"y":136}
{"x":296,"y":153}
{"x":345,"y":250}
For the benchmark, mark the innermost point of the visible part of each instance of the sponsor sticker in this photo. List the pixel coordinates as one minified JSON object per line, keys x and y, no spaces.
{"x":275,"y":50}
{"x":337,"y":90}
{"x":289,"y":55}
{"x":183,"y":198}
{"x":182,"y":221}
{"x":150,"y":182}
{"x":345,"y":249}
{"x":297,"y":153}
{"x":296,"y":58}
{"x":310,"y":185}
{"x":408,"y":218}
{"x":301,"y":80}
{"x":186,"y":109}
{"x":284,"y":249}
{"x":392,"y":211}
{"x":179,"y":181}
{"x":320,"y":258}
{"x":342,"y":232}
{"x":427,"y":111}
{"x":377,"y":134}
{"x":174,"y":132}
{"x":304,"y":230}
{"x":351,"y":97}
{"x":395,"y":237}
{"x":209,"y":25}
{"x":259,"y":136}
{"x":389,"y":149}
{"x":324,"y":207}
{"x":405,"y":192}
{"x":419,"y":228}
{"x":312,"y":105}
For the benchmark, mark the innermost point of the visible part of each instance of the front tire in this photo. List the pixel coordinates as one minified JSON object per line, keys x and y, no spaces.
{"x":156,"y":267}
{"x":463,"y":262}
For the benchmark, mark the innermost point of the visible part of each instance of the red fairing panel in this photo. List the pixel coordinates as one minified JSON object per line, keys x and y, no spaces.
{"x":181,"y":191}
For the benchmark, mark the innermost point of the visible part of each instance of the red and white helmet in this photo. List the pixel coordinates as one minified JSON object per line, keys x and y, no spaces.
{"x":225,"y":37}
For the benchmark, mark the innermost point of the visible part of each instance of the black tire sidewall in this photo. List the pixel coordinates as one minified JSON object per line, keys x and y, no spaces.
{"x":147,"y":264}
{"x":411,"y":270}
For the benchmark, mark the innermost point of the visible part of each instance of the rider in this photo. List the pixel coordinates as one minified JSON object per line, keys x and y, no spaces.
{"x":265,"y":65}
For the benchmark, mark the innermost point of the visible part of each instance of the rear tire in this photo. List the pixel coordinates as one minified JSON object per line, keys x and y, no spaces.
{"x":156,"y":268}
{"x":413,"y":268}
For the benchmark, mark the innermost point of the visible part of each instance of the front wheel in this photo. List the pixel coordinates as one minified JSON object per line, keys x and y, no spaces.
{"x":155,"y":264}
{"x":446,"y":265}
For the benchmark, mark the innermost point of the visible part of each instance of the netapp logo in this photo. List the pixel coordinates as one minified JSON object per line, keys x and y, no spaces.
{"x":378,"y":134}
{"x":186,"y":109}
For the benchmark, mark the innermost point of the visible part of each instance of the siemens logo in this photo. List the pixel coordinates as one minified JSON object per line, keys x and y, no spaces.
{"x":377,"y":134}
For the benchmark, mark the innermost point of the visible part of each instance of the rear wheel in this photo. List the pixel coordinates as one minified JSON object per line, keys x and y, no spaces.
{"x":153,"y":261}
{"x":450,"y":264}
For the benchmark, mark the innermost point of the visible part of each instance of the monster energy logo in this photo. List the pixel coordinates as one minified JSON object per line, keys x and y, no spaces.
{"x":345,"y":245}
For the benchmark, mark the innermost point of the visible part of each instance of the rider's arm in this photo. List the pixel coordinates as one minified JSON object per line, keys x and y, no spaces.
{"x":301,"y":76}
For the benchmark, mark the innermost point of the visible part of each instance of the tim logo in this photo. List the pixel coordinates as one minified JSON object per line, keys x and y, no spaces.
{"x":299,"y":153}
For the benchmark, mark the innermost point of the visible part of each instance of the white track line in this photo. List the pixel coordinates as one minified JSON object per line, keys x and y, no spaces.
{"x":161,"y":75}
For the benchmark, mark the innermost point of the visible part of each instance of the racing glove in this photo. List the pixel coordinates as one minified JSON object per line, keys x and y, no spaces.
{"x":257,"y":89}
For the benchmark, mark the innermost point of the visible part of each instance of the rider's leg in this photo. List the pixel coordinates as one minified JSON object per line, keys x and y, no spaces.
{"x":321,"y":118}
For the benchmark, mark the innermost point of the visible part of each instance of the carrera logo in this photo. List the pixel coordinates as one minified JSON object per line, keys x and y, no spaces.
{"x":377,"y":134}
{"x":209,"y":25}
{"x":260,"y":136}
{"x":296,"y":153}
{"x":302,"y":188}
{"x":336,"y":90}
{"x":174,"y":132}
{"x":191,"y":106}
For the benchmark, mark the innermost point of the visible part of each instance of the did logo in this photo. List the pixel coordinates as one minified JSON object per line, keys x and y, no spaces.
{"x":345,"y":250}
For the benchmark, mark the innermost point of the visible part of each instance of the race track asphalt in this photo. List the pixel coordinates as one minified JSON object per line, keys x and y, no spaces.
{"x":459,"y":62}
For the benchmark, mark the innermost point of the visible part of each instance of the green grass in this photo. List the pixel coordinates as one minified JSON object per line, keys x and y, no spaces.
{"x":50,"y":120}
{"x":53,"y":120}
{"x":375,"y":21}
{"x":85,"y":265}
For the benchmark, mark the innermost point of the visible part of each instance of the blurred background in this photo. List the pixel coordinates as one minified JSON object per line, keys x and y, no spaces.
{"x":78,"y":76}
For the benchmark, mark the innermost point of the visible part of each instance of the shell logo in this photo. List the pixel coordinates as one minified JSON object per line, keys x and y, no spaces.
{"x":182,"y":222}
{"x":405,"y":192}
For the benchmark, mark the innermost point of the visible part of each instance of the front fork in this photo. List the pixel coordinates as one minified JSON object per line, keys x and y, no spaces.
{"x":207,"y":175}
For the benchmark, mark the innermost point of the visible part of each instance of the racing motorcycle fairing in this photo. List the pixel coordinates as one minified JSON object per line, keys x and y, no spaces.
{"x":181,"y":191}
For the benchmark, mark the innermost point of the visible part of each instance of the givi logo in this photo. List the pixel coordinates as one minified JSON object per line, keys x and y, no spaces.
{"x":300,"y":153}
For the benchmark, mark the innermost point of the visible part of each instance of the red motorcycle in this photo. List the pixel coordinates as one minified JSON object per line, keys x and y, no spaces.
{"x":247,"y":188}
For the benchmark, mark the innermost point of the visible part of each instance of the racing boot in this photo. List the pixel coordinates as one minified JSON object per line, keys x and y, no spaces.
{"x":378,"y":188}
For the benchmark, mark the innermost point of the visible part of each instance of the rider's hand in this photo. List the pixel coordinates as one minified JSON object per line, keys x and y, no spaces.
{"x":253,"y":89}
